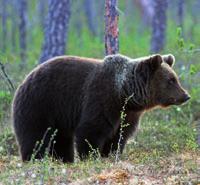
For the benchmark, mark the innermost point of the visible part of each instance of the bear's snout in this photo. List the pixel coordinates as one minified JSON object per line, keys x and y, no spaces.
{"x":186,"y":97}
{"x":178,"y":101}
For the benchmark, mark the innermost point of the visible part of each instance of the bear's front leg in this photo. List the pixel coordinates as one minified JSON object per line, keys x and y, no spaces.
{"x":119,"y":140}
{"x":114,"y":144}
{"x":91,"y":137}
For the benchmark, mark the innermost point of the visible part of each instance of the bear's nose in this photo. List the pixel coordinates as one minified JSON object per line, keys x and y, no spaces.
{"x":186,"y":97}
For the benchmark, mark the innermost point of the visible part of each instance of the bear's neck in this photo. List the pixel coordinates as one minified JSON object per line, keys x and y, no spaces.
{"x":136,"y":88}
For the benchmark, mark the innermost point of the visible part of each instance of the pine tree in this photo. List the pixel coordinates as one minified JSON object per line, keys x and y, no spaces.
{"x":56,"y":29}
{"x":158,"y":25}
{"x":111,"y":27}
{"x":23,"y":30}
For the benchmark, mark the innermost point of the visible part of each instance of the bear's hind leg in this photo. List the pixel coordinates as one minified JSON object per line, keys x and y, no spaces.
{"x":33,"y":147}
{"x":27,"y":152}
{"x":90,"y":139}
{"x":107,"y":148}
{"x":85,"y":145}
{"x":64,"y":148}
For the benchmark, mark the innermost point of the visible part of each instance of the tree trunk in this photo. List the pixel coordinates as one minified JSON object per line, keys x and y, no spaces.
{"x":158,"y":25}
{"x":14,"y":25}
{"x":91,"y":16}
{"x":41,"y":6}
{"x":76,"y":20}
{"x":195,"y":19}
{"x":56,"y":29}
{"x":180,"y":13}
{"x":22,"y":30}
{"x":4,"y":25}
{"x":146,"y":11}
{"x":129,"y":14}
{"x":111,"y":27}
{"x":99,"y":6}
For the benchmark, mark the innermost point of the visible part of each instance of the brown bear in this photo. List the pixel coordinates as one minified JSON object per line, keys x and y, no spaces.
{"x":82,"y":99}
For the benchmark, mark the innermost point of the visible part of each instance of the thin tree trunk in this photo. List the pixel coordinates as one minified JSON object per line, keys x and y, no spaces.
{"x":42,"y":12}
{"x":23,"y":30}
{"x":56,"y":29}
{"x":158,"y":25}
{"x":14,"y":25}
{"x":4,"y":25}
{"x":129,"y":13}
{"x":180,"y":13}
{"x":146,"y":11}
{"x":91,"y":16}
{"x":99,"y":6}
{"x":77,"y":6}
{"x":111,"y":27}
{"x":195,"y":19}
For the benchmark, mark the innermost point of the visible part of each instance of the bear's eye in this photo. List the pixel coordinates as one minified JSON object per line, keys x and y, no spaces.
{"x":172,"y":81}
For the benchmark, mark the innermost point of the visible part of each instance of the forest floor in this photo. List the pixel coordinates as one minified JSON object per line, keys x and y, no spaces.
{"x":163,"y":152}
{"x":175,"y":169}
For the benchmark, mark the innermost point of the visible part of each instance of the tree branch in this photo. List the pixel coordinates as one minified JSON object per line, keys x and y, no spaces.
{"x":10,"y":84}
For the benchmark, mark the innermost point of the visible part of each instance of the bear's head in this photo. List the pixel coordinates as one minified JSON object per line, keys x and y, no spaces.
{"x":149,"y":81}
{"x":162,"y":83}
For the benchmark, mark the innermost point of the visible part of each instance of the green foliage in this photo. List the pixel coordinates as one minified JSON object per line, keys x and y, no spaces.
{"x":193,"y":69}
{"x":94,"y":154}
{"x":84,"y":44}
{"x":180,"y":40}
{"x":7,"y":143}
{"x":5,"y":101}
{"x":40,"y":144}
{"x":5,"y":97}
{"x":163,"y":133}
{"x":123,"y":124}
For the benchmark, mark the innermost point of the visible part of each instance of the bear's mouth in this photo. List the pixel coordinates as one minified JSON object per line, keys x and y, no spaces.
{"x":171,"y":101}
{"x":174,"y":101}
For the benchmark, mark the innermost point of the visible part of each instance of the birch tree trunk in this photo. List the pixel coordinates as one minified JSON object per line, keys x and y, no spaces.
{"x":22,"y":30}
{"x":158,"y":25}
{"x":56,"y":29}
{"x":111,"y":27}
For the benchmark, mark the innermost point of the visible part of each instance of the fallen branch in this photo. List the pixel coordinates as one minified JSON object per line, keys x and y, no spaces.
{"x":10,"y":84}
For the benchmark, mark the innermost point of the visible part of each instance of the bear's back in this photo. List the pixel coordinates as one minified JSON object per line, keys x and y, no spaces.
{"x":54,"y":89}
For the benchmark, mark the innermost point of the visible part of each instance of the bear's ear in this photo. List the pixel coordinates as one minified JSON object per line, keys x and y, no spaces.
{"x":169,"y":59}
{"x":154,"y":61}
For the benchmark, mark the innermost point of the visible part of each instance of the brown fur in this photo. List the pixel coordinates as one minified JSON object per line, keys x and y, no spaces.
{"x":82,"y":99}
{"x":76,"y":59}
